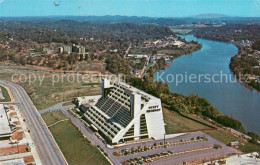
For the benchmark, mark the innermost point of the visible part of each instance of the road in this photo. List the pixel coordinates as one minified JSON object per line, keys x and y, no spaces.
{"x":145,"y":66}
{"x":57,"y":107}
{"x":46,"y":146}
{"x":128,"y":50}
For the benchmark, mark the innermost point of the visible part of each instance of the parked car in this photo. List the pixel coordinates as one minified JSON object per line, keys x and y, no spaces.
{"x":140,"y":162}
{"x":170,"y":152}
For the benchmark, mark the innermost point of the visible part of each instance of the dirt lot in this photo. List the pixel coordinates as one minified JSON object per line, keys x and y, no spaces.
{"x":47,"y":89}
{"x":89,"y":66}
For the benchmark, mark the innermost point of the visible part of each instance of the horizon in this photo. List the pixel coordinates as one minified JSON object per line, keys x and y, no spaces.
{"x":182,"y":17}
{"x":129,"y":8}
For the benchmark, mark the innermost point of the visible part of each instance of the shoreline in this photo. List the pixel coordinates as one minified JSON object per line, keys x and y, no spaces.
{"x":245,"y":85}
{"x":242,"y":83}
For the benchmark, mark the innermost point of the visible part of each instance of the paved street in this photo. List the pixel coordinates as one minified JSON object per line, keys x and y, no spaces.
{"x":46,"y":146}
{"x":57,"y":107}
{"x":128,"y":50}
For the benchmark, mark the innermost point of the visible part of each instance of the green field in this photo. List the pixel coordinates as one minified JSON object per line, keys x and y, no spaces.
{"x":75,"y":148}
{"x":47,"y":93}
{"x":53,"y":117}
{"x":67,"y":104}
{"x":226,"y":137}
{"x":176,"y":123}
{"x":75,"y":113}
{"x":5,"y":94}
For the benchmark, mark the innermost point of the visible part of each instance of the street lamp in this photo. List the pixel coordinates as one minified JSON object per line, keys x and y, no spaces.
{"x":17,"y":142}
{"x":164,"y":138}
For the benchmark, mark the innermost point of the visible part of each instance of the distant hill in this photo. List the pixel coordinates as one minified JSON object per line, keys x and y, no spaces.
{"x":171,"y":21}
{"x":209,"y":16}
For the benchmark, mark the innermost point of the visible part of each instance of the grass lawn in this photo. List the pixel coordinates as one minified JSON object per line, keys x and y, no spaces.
{"x":5,"y":94}
{"x":226,"y":137}
{"x":47,"y":93}
{"x":176,"y":123}
{"x":75,"y":148}
{"x":75,"y":113}
{"x":53,"y":117}
{"x":67,"y":104}
{"x":222,"y":136}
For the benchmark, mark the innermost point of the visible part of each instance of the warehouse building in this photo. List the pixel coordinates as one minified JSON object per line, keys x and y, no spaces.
{"x":5,"y":129}
{"x":125,"y":113}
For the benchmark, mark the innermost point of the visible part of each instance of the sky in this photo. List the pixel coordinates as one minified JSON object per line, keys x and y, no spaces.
{"x":151,"y":8}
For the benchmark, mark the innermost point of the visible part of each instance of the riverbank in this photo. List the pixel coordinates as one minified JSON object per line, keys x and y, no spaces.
{"x":248,"y":66}
{"x":230,"y":97}
{"x":244,"y":62}
{"x":180,"y":103}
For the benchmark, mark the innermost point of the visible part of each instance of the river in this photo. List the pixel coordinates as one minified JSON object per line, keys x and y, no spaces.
{"x":218,"y":85}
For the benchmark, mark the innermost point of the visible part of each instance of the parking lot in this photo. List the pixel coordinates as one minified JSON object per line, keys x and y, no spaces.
{"x":155,"y":158}
{"x":191,"y":147}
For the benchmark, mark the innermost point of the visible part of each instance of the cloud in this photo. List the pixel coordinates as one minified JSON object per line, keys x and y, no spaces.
{"x":1,"y":1}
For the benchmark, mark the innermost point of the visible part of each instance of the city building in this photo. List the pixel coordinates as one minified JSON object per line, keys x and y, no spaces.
{"x":234,"y":143}
{"x":159,"y":56}
{"x":5,"y":129}
{"x":137,"y":55}
{"x":67,"y":49}
{"x":78,"y":49}
{"x":60,"y":49}
{"x":47,"y":50}
{"x":125,"y":113}
{"x":17,"y":161}
{"x":178,"y":43}
{"x":250,"y":158}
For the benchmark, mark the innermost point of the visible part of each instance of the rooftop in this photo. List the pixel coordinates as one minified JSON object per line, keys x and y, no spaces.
{"x":13,"y":162}
{"x":251,"y":158}
{"x":5,"y":129}
{"x":132,"y":89}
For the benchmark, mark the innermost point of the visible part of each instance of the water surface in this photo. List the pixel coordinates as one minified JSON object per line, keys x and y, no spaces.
{"x":231,"y":98}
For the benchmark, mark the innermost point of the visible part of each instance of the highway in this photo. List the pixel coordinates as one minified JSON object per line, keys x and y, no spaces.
{"x":46,"y":146}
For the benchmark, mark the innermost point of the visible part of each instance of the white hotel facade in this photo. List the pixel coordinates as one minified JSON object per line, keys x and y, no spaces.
{"x":126,"y":113}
